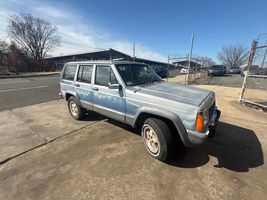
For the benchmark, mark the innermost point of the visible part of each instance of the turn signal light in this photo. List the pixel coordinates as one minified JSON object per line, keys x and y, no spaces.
{"x":200,"y":122}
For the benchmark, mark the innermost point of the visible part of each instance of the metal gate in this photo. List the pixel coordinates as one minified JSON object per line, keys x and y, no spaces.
{"x":254,"y":88}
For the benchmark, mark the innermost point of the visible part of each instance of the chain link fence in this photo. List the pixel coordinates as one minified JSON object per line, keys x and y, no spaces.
{"x":187,"y":74}
{"x":196,"y":74}
{"x":254,"y":88}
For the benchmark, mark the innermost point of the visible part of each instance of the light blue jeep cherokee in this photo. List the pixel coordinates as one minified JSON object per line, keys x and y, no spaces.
{"x":134,"y":94}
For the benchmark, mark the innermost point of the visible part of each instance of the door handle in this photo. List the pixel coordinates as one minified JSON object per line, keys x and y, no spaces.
{"x":77,"y":84}
{"x":95,"y":88}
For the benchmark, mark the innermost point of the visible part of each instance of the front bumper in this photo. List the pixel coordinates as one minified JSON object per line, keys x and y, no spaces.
{"x":200,"y":137}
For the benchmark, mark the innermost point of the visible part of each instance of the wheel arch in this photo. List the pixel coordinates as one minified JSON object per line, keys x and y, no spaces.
{"x":172,"y":119}
{"x":68,"y":94}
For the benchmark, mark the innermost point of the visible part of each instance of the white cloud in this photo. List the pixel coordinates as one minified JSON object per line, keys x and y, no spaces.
{"x":77,"y":33}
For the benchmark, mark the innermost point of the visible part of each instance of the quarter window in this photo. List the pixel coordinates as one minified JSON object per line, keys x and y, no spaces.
{"x":104,"y":76}
{"x":85,"y":73}
{"x":69,"y":72}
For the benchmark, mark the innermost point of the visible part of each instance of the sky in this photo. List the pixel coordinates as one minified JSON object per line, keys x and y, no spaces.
{"x":159,"y":28}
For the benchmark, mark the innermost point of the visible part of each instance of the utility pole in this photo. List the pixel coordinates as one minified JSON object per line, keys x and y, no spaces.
{"x":168,"y":68}
{"x":250,"y":60}
{"x":133,"y":50}
{"x":189,"y":58}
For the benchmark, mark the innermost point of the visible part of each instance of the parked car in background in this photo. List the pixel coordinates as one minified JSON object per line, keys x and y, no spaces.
{"x":216,"y":70}
{"x":184,"y":70}
{"x":133,"y":93}
{"x":225,"y":69}
{"x":253,"y":70}
{"x":234,"y":70}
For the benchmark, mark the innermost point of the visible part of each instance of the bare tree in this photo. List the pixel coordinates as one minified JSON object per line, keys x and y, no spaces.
{"x":34,"y":35}
{"x":233,"y":55}
{"x":3,"y":51}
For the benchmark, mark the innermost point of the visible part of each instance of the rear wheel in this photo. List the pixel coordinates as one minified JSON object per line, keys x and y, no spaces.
{"x":157,"y":138}
{"x":76,"y":111}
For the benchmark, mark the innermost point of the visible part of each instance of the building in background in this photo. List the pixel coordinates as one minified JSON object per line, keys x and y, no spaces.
{"x":58,"y":62}
{"x":184,"y":62}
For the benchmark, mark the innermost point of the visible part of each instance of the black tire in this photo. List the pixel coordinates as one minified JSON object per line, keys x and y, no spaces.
{"x":80,"y":112}
{"x":163,"y":137}
{"x":212,"y":132}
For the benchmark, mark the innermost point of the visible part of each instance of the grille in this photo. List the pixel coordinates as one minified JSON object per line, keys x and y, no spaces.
{"x":211,"y":109}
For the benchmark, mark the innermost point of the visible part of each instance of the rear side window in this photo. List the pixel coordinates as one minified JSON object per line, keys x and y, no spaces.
{"x":104,"y":76}
{"x":69,"y":72}
{"x":85,"y":73}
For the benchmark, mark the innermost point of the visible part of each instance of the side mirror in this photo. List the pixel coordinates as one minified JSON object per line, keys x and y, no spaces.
{"x":113,"y":86}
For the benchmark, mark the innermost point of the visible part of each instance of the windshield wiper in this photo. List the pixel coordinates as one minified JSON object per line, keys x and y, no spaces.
{"x":139,"y":83}
{"x":137,"y":89}
{"x":156,"y":80}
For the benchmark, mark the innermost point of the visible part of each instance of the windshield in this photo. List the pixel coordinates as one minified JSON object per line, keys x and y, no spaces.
{"x":217,"y":67}
{"x":136,"y":74}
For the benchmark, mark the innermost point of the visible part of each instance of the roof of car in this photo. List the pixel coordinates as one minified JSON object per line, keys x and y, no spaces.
{"x":107,"y":62}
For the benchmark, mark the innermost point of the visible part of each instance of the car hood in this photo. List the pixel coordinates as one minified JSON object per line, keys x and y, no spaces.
{"x":176,"y":92}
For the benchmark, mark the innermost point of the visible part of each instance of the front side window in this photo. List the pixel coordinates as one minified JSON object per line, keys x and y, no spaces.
{"x":104,"y":76}
{"x":136,"y":74}
{"x":85,"y":73}
{"x":69,"y":72}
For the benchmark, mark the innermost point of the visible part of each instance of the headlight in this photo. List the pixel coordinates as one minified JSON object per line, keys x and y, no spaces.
{"x":206,"y":117}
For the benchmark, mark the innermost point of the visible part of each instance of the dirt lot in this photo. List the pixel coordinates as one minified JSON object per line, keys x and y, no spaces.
{"x":107,"y":160}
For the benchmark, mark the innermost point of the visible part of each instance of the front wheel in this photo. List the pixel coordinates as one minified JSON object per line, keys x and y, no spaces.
{"x":157,"y":138}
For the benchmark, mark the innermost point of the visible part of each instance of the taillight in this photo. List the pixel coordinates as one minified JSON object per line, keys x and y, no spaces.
{"x":200,"y":122}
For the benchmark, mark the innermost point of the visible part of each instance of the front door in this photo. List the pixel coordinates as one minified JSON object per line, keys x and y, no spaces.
{"x":107,"y":101}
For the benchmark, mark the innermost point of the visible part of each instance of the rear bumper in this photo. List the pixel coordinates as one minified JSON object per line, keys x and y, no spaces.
{"x":216,"y":73}
{"x":61,"y":95}
{"x":200,"y":137}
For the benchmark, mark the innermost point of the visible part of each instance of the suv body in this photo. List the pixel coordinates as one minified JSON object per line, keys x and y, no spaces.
{"x":134,"y":94}
{"x":217,"y":70}
{"x":184,"y":70}
{"x":234,"y":70}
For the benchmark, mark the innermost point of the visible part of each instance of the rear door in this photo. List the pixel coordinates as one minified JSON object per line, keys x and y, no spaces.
{"x":109,"y":102}
{"x":67,"y":79}
{"x":83,"y":85}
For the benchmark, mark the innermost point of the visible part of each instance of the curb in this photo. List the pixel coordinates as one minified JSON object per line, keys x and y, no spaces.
{"x":29,"y":75}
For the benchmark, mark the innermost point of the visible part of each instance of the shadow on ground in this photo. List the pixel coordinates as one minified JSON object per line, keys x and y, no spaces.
{"x":236,"y":148}
{"x":93,"y":116}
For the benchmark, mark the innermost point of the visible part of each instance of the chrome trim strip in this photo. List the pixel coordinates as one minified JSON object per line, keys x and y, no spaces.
{"x":129,"y":119}
{"x":198,"y":134}
{"x":87,"y":104}
{"x":109,"y":112}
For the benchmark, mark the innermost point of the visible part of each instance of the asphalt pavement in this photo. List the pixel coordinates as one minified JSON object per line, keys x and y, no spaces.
{"x":19,"y":92}
{"x":108,"y":160}
{"x":235,"y":80}
{"x":228,"y":80}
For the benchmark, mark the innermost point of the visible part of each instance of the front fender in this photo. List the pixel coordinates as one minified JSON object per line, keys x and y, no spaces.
{"x":168,"y":115}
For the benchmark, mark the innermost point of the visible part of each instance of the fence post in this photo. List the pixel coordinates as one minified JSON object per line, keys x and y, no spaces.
{"x":250,"y":60}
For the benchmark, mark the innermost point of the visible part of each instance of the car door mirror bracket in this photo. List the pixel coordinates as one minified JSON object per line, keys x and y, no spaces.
{"x":113,"y":86}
